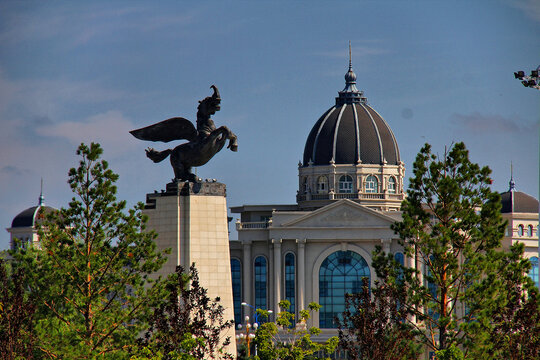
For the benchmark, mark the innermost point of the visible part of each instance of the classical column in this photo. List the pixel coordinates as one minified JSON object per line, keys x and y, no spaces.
{"x":301,"y":274}
{"x":247,"y":269}
{"x":277,"y":274}
{"x":386,"y":245}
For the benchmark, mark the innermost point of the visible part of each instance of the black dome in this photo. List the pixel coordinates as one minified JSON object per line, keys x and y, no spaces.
{"x":518,"y":202}
{"x":28,"y":217}
{"x":351,"y":131}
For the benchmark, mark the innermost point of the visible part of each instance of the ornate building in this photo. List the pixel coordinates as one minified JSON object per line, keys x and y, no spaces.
{"x":349,"y":193}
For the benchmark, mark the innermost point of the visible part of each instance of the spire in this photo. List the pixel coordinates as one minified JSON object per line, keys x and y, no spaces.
{"x":350,"y":57}
{"x":41,"y":200}
{"x":512,"y":183}
{"x":350,"y":93}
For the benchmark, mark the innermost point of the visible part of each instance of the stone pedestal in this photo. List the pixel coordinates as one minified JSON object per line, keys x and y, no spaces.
{"x":191,"y":220}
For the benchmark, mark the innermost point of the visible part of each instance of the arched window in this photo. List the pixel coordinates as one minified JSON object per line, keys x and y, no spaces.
{"x":236,"y":276}
{"x":340,"y":273}
{"x":391,"y":185}
{"x":290,"y":275}
{"x":529,"y":231}
{"x":520,"y":230}
{"x":260,"y":282}
{"x":533,"y":273}
{"x":305,"y":186}
{"x":345,"y":184}
{"x":322,"y":185}
{"x":372,"y":184}
{"x":400,"y":258}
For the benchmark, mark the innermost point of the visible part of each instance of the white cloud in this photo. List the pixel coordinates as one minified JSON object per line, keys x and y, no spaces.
{"x":110,"y":129}
{"x":531,"y":8}
{"x":483,"y":123}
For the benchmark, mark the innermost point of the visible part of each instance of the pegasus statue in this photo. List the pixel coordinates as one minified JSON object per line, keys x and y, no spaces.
{"x":204,"y":142}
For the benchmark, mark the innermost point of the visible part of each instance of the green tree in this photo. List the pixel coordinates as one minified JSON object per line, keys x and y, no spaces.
{"x":452,"y":229}
{"x":187,"y":325}
{"x":372,"y":326}
{"x":283,"y":341}
{"x":16,"y":312}
{"x":91,"y":275}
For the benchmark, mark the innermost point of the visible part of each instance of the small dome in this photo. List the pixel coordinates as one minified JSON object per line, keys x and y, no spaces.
{"x":351,"y":132}
{"x":29,"y":217}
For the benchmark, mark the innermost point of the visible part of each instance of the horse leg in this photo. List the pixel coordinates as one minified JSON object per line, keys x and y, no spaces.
{"x":233,"y":143}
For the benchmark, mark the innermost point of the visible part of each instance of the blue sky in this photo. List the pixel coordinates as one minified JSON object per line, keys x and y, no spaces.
{"x":437,"y":71}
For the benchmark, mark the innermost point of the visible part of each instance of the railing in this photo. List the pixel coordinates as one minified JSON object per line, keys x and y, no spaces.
{"x":253,"y":225}
{"x":338,"y":196}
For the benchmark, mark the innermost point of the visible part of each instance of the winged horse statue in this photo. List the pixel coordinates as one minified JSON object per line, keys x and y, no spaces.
{"x":204,"y":142}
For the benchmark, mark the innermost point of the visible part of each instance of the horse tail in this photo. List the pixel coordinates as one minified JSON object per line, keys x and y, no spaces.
{"x":157,"y":156}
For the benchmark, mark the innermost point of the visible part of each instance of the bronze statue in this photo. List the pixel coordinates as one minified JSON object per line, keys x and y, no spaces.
{"x":204,"y":142}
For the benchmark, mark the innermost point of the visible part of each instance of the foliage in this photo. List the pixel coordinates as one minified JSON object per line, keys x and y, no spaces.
{"x":515,"y":328}
{"x":372,"y":325}
{"x":280,"y":341}
{"x":91,"y":275}
{"x":16,"y":312}
{"x":187,"y":324}
{"x":452,"y":229}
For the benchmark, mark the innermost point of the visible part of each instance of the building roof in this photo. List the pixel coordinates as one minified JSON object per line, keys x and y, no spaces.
{"x":351,"y":132}
{"x":518,"y":202}
{"x":30,"y":216}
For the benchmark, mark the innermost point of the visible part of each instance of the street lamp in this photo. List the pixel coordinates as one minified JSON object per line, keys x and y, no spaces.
{"x":532,"y":81}
{"x":256,"y":314}
{"x":247,"y":336}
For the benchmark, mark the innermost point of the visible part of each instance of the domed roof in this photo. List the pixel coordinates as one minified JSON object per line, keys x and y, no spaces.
{"x":351,"y":132}
{"x":30,"y":216}
{"x":517,"y":202}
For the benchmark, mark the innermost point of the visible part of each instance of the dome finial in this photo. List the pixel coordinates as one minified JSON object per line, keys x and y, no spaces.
{"x":350,"y":94}
{"x":350,"y":56}
{"x":512,"y":183}
{"x":41,"y":200}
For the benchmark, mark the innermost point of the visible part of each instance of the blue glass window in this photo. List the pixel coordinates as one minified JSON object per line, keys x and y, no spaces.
{"x":432,"y":287}
{"x":260,"y":282}
{"x":340,"y":273}
{"x":372,"y":184}
{"x":533,"y":273}
{"x":290,"y":289}
{"x":392,"y":185}
{"x":345,"y":184}
{"x":236,"y":275}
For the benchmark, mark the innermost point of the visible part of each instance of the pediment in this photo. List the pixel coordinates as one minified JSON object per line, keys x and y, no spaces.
{"x":344,"y":213}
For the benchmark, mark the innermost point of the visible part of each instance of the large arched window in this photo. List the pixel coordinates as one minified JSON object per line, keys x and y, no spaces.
{"x":322,"y":185}
{"x":533,"y":273}
{"x":530,"y":231}
{"x":520,"y":230}
{"x":372,"y":184}
{"x":345,"y":184}
{"x":340,"y":273}
{"x":260,"y":282}
{"x":391,"y":185}
{"x":290,"y":275}
{"x":236,"y":275}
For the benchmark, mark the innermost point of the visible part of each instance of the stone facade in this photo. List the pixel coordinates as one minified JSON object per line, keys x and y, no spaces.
{"x":191,"y":220}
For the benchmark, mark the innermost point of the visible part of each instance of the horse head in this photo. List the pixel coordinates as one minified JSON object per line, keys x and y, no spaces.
{"x":210,"y":104}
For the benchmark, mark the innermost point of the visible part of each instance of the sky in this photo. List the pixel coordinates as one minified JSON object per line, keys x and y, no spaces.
{"x":437,"y":72}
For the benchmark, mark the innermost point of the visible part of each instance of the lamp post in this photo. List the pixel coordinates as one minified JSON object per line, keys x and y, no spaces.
{"x":533,"y":81}
{"x":256,"y":314}
{"x":247,"y":336}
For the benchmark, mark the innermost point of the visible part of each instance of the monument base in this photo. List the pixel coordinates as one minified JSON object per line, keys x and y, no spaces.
{"x":191,"y":220}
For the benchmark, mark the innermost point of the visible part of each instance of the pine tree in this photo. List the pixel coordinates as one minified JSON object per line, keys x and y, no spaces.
{"x":187,"y":324}
{"x":91,"y":274}
{"x":16,"y":312}
{"x":452,"y":229}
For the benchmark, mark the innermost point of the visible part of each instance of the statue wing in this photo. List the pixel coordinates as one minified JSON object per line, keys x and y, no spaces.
{"x":176,"y":128}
